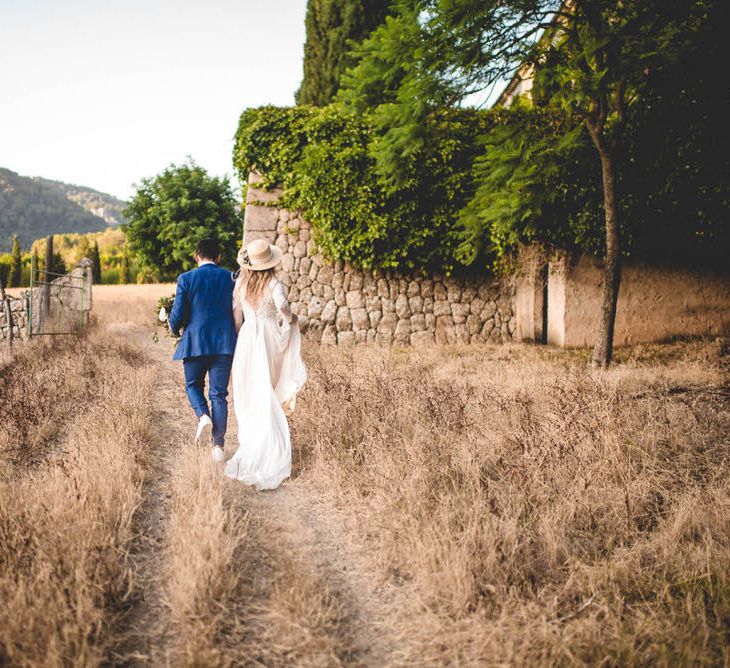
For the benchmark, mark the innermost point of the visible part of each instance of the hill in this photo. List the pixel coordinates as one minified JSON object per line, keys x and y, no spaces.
{"x":33,"y":207}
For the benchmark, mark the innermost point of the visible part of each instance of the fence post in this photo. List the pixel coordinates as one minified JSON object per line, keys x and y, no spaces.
{"x":8,"y":315}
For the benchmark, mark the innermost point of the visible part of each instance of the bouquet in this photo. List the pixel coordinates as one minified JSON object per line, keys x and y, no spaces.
{"x":164,"y":306}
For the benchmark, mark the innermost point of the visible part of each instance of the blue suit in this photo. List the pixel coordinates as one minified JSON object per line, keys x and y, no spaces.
{"x":203,"y":307}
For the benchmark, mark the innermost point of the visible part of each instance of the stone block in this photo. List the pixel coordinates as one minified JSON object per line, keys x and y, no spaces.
{"x":326,"y":272}
{"x":441,"y":308}
{"x":318,"y":290}
{"x":490,"y":308}
{"x":329,"y":335}
{"x":402,"y":309}
{"x":360,"y":319}
{"x":329,"y":312}
{"x":383,"y":290}
{"x":423,"y":339}
{"x":445,"y":329}
{"x":316,"y":306}
{"x":303,"y":282}
{"x":300,"y":249}
{"x":372,"y":303}
{"x":403,"y":331}
{"x":473,"y":324}
{"x":313,"y":271}
{"x":426,"y":288}
{"x":306,"y":294}
{"x":418,"y":322}
{"x":346,"y":338}
{"x":477,"y":306}
{"x":439,"y":292}
{"x":260,"y":218}
{"x":388,"y":323}
{"x":304,"y":264}
{"x":414,"y":289}
{"x":387,"y":305}
{"x":375,"y":317}
{"x":340,"y":297}
{"x":355,"y":299}
{"x":327,"y":291}
{"x":460,"y":312}
{"x":356,"y":280}
{"x":343,"y":321}
{"x":416,"y":304}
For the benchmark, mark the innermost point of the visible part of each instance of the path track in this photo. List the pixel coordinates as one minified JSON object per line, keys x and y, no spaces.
{"x":290,"y":525}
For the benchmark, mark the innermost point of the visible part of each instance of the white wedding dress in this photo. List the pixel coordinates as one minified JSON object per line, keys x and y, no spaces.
{"x":267,"y":373}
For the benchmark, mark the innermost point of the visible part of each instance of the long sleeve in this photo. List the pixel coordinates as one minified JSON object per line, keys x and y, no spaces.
{"x":281,"y":302}
{"x":176,"y":318}
{"x":237,"y":306}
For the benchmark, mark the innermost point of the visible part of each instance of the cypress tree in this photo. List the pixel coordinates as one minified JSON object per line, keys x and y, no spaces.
{"x":330,"y":27}
{"x":14,"y":278}
{"x":95,"y":263}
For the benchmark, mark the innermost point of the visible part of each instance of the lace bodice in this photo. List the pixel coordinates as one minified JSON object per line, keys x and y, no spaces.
{"x":272,"y":303}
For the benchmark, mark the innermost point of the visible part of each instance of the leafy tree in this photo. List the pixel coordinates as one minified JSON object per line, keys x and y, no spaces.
{"x":595,"y":55}
{"x":124,"y":274}
{"x":83,"y":250}
{"x":333,"y":27}
{"x":172,"y":211}
{"x":16,"y":265}
{"x":95,"y":258}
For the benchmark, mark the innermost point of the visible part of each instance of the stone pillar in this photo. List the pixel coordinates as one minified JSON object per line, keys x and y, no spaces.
{"x":260,"y":215}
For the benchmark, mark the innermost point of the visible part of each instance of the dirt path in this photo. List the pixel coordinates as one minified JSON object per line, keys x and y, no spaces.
{"x":292,"y":525}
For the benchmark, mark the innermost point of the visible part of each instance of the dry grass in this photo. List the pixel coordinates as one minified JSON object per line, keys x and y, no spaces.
{"x":77,"y":428}
{"x":233,"y":594}
{"x":125,"y":308}
{"x":534,"y":511}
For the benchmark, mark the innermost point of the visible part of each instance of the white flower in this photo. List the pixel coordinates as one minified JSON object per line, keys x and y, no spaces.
{"x":163,"y":315}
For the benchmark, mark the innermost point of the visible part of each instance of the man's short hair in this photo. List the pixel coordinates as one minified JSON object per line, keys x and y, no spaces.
{"x":208,"y":249}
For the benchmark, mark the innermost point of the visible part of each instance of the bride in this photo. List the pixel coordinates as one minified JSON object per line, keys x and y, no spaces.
{"x":267,"y":372}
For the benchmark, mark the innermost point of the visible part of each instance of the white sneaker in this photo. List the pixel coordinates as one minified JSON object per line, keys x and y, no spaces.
{"x":216,"y":452}
{"x":205,"y":431}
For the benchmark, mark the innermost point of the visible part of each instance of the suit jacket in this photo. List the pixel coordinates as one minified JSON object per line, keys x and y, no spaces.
{"x":203,"y":307}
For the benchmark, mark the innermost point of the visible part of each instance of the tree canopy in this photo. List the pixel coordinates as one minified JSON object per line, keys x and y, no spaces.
{"x":333,"y":27}
{"x":170,"y":212}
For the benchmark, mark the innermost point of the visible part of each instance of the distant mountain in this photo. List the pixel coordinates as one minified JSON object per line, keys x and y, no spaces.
{"x":33,"y":207}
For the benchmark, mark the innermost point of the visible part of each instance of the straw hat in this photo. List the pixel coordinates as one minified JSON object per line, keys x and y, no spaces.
{"x":259,"y":255}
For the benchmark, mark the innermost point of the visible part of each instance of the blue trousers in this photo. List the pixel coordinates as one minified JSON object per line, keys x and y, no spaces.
{"x":218,"y":368}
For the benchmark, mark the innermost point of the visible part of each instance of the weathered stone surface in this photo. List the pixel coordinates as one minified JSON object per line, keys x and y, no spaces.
{"x":383,"y":290}
{"x":468,"y":294}
{"x":453,"y":293}
{"x":303,"y":235}
{"x":439,"y":292}
{"x":284,"y":215}
{"x":293,"y":224}
{"x":387,"y":305}
{"x":459,"y":311}
{"x":305,"y":295}
{"x":346,"y":338}
{"x":461,"y":333}
{"x":355,"y":299}
{"x":416,"y":304}
{"x":422,"y":339}
{"x":388,"y":323}
{"x":477,"y":306}
{"x":340,"y":297}
{"x":430,"y":321}
{"x":418,"y":322}
{"x":303,"y":281}
{"x":282,"y":242}
{"x":361,"y":336}
{"x":300,"y":249}
{"x":375,"y":317}
{"x":329,"y":312}
{"x":325,"y":275}
{"x":488,"y":311}
{"x":426,"y":288}
{"x":473,"y":324}
{"x":338,"y":280}
{"x":260,"y":218}
{"x":441,"y":308}
{"x":360,"y":319}
{"x":487,"y":328}
{"x":343,"y":321}
{"x":317,"y":289}
{"x":261,"y":195}
{"x":304,"y":265}
{"x":356,"y":281}
{"x":403,"y":331}
{"x":316,"y":306}
{"x":402,"y":309}
{"x":414,"y":288}
{"x":313,"y":271}
{"x":329,"y":335}
{"x":445,"y":329}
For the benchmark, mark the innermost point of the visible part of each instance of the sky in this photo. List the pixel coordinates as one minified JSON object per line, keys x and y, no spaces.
{"x":103,"y":93}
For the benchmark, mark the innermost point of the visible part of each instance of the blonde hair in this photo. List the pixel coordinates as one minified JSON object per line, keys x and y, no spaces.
{"x":253,"y":284}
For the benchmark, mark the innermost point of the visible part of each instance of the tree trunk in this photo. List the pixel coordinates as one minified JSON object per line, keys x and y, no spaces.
{"x":603,"y":348}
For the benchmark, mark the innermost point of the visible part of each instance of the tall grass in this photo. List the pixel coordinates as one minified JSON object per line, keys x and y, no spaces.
{"x":77,"y":425}
{"x":533,"y":511}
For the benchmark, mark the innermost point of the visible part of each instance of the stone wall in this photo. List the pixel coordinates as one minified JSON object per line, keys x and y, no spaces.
{"x":654,"y":303}
{"x":339,"y":303}
{"x":19,"y":315}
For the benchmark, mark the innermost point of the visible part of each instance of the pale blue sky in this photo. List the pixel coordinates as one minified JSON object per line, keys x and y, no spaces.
{"x":103,"y":93}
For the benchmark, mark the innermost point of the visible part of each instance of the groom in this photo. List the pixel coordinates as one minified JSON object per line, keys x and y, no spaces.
{"x":203,"y":307}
